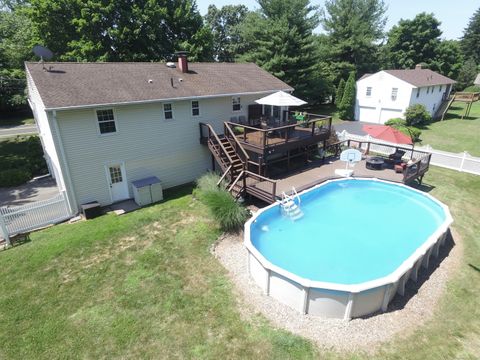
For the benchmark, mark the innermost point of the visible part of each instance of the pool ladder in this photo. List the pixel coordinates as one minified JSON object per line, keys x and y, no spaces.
{"x":289,"y":207}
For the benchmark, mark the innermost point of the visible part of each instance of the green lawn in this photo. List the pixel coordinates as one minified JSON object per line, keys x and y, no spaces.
{"x":17,"y":118}
{"x":327,"y":109}
{"x":453,"y":134}
{"x":144,"y":285}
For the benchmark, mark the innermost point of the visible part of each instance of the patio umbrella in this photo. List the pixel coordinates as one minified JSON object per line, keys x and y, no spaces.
{"x":280,"y":98}
{"x":387,"y":133}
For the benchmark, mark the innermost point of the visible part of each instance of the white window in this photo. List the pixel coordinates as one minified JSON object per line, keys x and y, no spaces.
{"x":418,"y":92}
{"x":369,"y":91}
{"x":195,"y":108}
{"x":106,"y":121}
{"x":168,"y":111}
{"x":236,"y":106}
{"x":394,"y":94}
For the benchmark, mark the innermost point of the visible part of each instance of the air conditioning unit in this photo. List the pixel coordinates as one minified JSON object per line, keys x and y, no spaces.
{"x":147,"y":191}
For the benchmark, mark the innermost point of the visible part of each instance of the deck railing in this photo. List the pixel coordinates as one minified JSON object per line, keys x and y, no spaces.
{"x":271,"y":135}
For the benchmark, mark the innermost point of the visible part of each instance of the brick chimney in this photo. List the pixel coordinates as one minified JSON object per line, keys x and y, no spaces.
{"x":418,"y":67}
{"x":182,"y":61}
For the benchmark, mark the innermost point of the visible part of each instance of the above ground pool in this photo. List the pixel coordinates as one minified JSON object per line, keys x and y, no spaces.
{"x":348,"y":248}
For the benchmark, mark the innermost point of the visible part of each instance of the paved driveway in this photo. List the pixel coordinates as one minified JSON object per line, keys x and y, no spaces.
{"x":35,"y":190}
{"x":9,"y":131}
{"x":352,"y":127}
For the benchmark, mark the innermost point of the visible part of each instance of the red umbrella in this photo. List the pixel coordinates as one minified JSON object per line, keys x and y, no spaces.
{"x":387,"y":133}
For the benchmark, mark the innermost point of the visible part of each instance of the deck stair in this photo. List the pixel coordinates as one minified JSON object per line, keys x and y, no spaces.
{"x":443,"y":109}
{"x":291,"y":208}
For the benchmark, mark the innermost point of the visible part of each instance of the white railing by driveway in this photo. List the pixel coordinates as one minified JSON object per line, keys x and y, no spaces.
{"x":20,"y":219}
{"x":460,"y":162}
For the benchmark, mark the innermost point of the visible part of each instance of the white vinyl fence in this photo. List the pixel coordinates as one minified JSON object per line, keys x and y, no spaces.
{"x":19,"y":219}
{"x":460,"y":162}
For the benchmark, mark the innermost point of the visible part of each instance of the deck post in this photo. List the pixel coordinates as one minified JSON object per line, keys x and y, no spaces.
{"x":213,"y":163}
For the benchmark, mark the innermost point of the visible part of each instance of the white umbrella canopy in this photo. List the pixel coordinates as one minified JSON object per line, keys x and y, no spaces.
{"x":280,"y":98}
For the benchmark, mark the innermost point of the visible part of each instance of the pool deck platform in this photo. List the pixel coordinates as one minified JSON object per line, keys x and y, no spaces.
{"x":318,"y":171}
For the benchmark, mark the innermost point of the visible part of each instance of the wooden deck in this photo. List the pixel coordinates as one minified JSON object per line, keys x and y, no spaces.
{"x":318,"y":172}
{"x":255,"y":138}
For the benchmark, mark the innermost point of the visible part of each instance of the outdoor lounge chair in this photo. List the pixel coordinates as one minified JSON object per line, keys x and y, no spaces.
{"x":396,"y":157}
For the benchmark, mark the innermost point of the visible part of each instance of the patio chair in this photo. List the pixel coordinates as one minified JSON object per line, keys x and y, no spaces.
{"x":396,"y":157}
{"x":234,"y":119}
{"x":242,"y":120}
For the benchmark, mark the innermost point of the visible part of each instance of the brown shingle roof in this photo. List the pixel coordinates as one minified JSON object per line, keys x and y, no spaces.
{"x":421,"y":77}
{"x":87,"y":84}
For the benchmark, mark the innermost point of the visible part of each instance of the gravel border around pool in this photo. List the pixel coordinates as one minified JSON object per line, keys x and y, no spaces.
{"x":403,"y":316}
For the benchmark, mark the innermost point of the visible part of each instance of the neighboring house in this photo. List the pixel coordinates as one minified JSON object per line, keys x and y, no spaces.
{"x":388,"y":93}
{"x":477,"y":80}
{"x":104,"y":125}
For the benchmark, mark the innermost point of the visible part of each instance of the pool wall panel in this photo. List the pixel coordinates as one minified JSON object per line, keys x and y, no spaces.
{"x":287,"y":291}
{"x":328,"y":303}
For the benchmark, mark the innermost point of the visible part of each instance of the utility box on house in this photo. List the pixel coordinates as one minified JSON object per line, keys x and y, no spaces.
{"x":147,"y":191}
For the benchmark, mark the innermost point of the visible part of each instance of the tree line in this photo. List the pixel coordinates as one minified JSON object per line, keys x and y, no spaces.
{"x":279,"y":37}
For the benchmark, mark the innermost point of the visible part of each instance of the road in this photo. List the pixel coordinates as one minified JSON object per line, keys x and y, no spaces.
{"x":9,"y":131}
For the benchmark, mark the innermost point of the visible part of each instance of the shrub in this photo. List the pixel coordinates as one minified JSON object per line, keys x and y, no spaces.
{"x":14,"y":177}
{"x":417,"y":114}
{"x":401,"y":125}
{"x":472,"y":88}
{"x":225,"y":209}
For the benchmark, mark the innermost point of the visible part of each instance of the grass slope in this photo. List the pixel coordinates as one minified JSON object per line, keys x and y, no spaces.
{"x":453,"y":134}
{"x":144,"y":285}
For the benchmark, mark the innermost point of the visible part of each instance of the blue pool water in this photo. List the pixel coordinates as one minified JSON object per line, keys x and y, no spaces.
{"x":352,"y":231}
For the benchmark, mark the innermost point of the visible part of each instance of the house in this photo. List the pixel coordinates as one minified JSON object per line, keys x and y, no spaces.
{"x":388,"y":93}
{"x":104,"y":125}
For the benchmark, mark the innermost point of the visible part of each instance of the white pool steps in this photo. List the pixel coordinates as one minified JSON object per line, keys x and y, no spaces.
{"x":289,"y":207}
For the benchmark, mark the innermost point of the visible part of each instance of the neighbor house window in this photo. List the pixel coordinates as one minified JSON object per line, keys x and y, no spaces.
{"x":394,"y":94}
{"x":428,"y":89}
{"x":168,"y":111}
{"x":195,"y":108}
{"x":369,"y":91}
{"x":236,"y":106}
{"x":440,"y":88}
{"x":418,"y":92}
{"x":106,"y":121}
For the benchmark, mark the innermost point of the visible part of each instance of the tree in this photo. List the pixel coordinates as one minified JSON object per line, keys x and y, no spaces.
{"x":223,"y":23}
{"x":115,"y":30}
{"x":354,"y":29}
{"x":413,"y":42}
{"x":467,"y":74}
{"x":347,"y":105}
{"x":16,"y":42}
{"x":448,"y":59}
{"x":471,"y":38}
{"x":278,"y":37}
{"x":340,"y":91}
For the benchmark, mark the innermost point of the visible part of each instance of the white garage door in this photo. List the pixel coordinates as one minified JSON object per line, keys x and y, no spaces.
{"x":387,"y":114}
{"x":368,"y":114}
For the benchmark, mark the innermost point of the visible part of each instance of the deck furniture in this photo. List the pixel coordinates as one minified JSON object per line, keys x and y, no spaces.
{"x":396,"y":157}
{"x":375,"y":163}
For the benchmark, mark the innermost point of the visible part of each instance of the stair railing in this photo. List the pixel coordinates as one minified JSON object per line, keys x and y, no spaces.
{"x":229,"y":134}
{"x":213,"y":135}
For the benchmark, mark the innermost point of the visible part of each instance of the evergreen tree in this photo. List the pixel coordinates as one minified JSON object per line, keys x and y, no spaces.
{"x":467,"y":74}
{"x":413,"y":42}
{"x":340,"y":92}
{"x":354,"y":28}
{"x":278,"y":37}
{"x":347,"y":106}
{"x":471,"y":38}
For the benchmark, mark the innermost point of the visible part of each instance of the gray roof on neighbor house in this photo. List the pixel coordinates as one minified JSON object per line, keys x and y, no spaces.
{"x":88,"y":84}
{"x":421,"y":77}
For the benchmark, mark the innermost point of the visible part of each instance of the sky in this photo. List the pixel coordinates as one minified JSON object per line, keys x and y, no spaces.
{"x":454,"y":15}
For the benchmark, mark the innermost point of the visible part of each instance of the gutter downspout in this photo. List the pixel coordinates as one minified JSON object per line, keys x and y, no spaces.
{"x":72,"y":202}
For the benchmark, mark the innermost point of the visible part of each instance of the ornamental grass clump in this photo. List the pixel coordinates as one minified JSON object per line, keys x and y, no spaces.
{"x":225,"y":209}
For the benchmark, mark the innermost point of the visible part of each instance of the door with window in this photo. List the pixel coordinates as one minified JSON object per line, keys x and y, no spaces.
{"x":117,"y":181}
